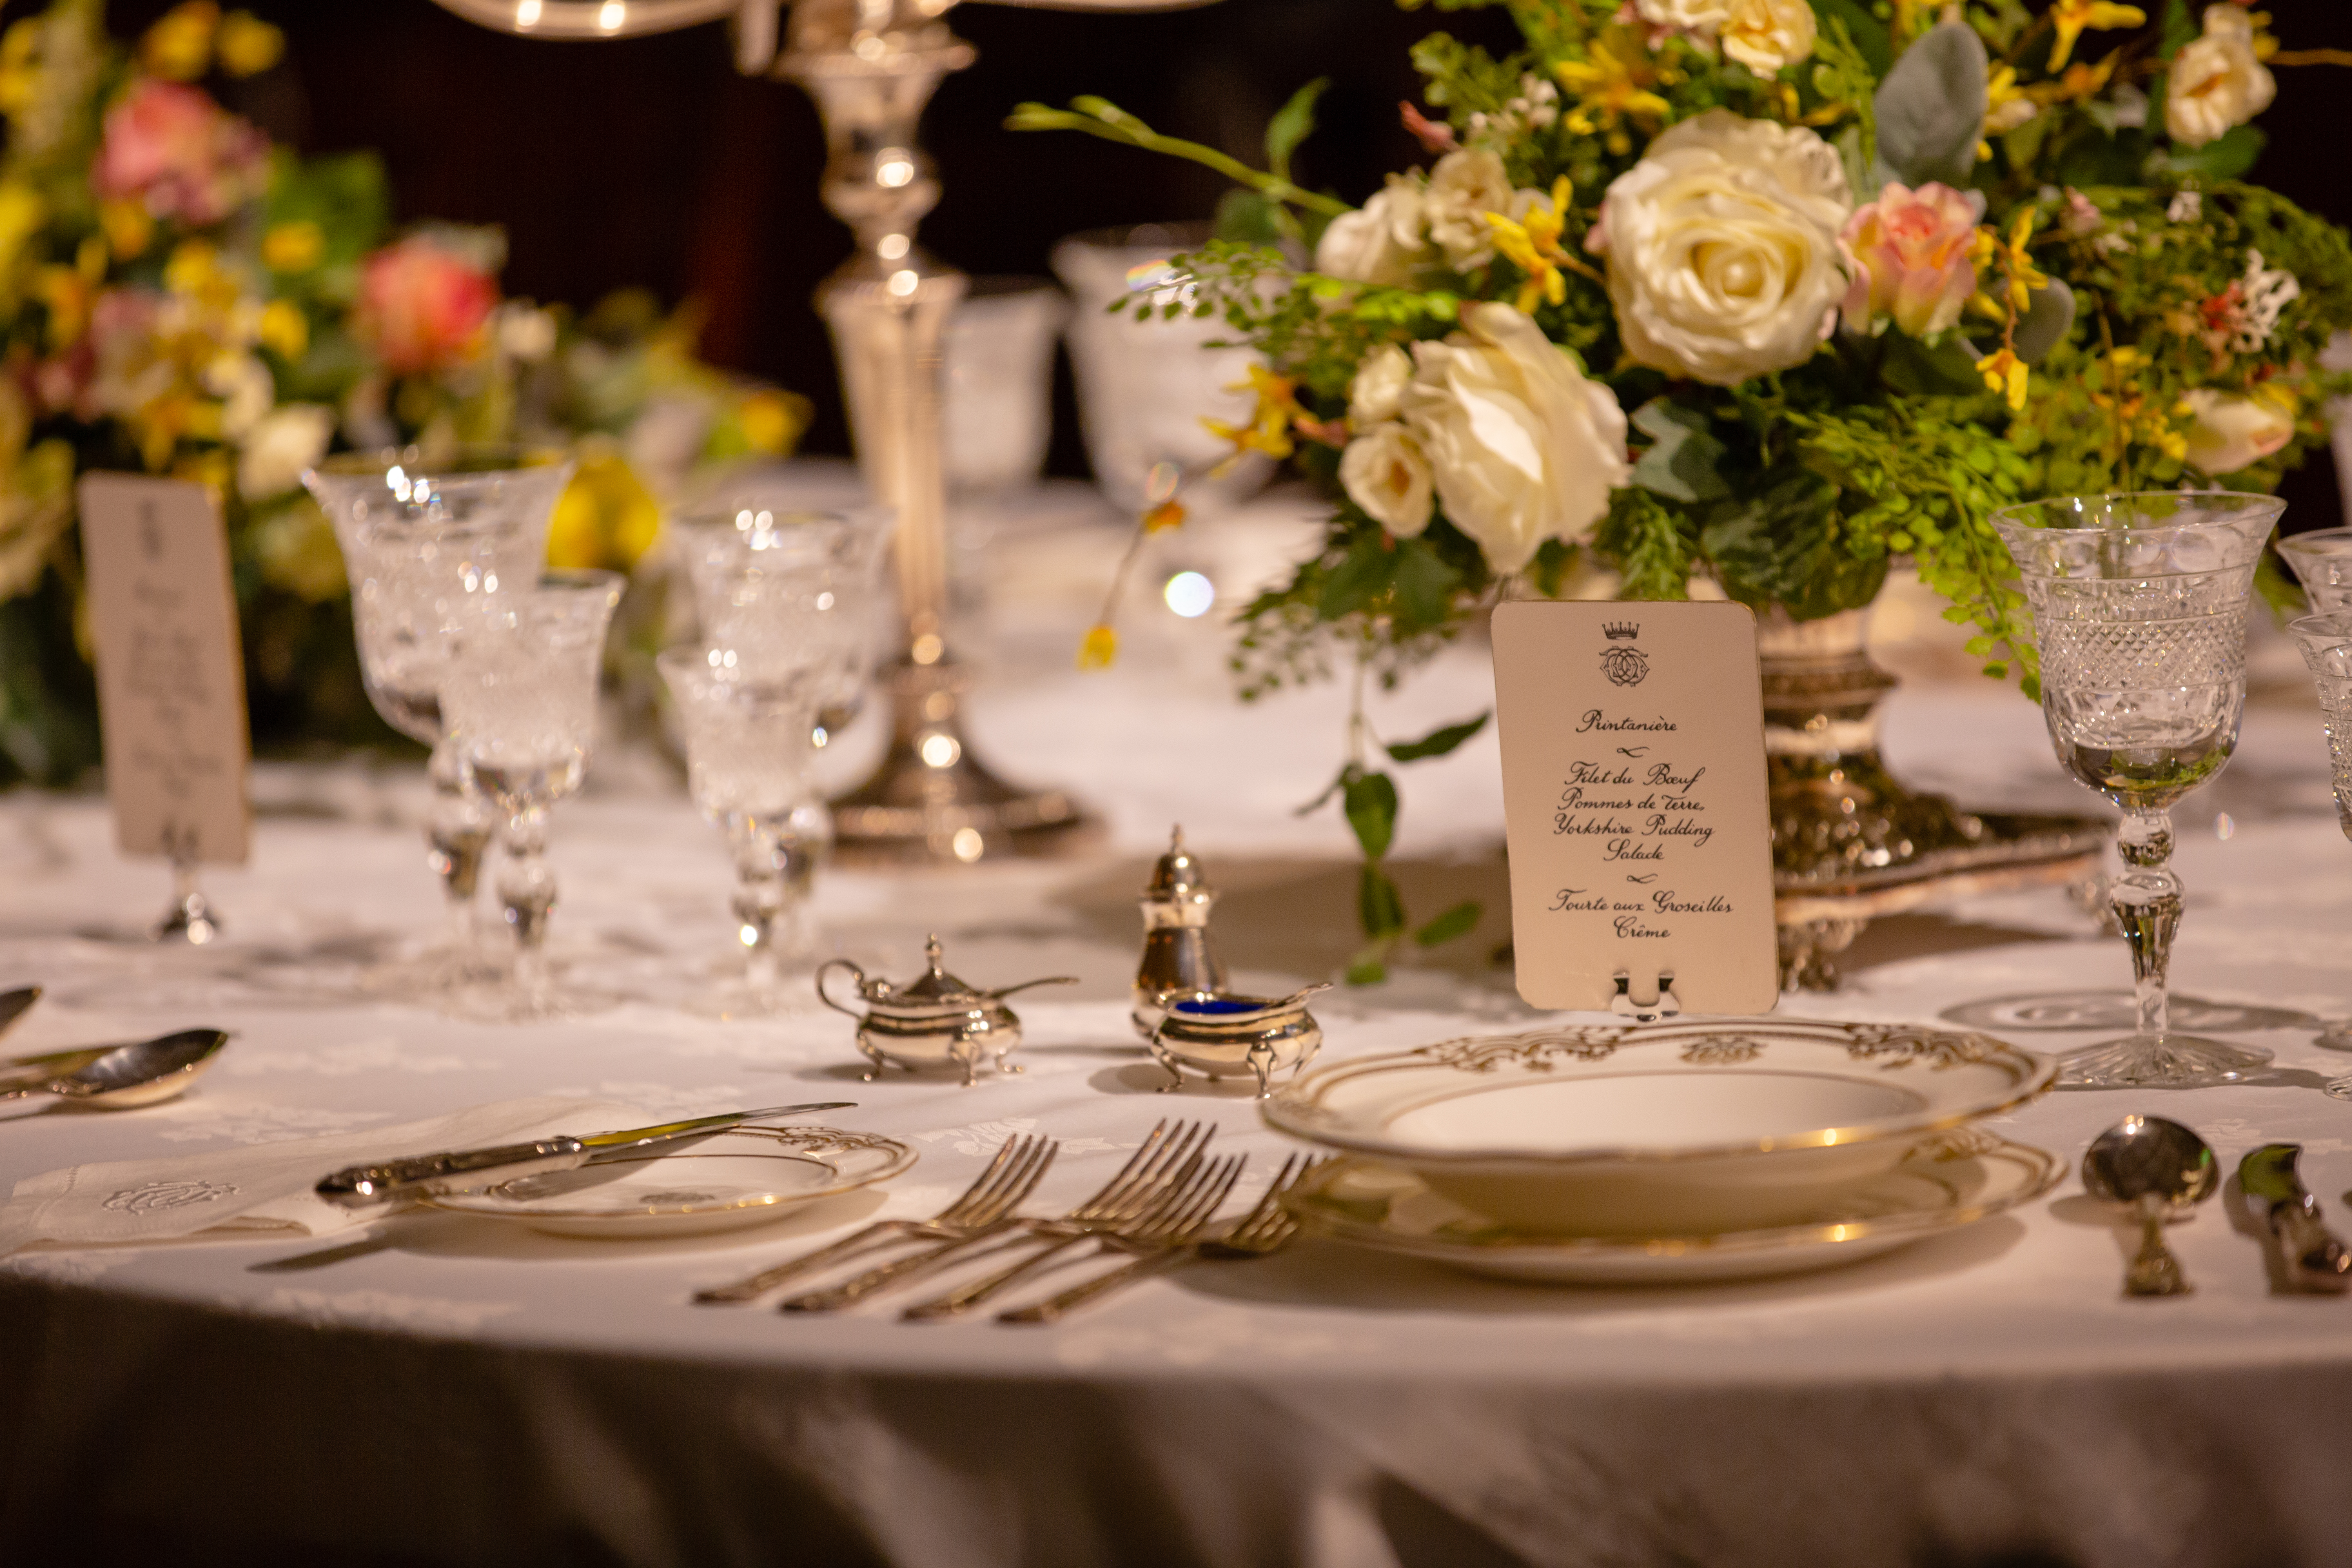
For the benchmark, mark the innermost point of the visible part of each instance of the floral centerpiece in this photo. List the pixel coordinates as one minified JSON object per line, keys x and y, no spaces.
{"x":179,"y":296}
{"x":1755,"y":296}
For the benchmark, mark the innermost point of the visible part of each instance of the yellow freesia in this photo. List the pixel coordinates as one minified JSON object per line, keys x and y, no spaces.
{"x":771,"y":422}
{"x":127,"y":226}
{"x":2072,"y":19}
{"x":1268,"y":430}
{"x":605,"y":517}
{"x":294,"y":247}
{"x":1532,"y":245}
{"x":1612,"y":85}
{"x":179,"y":46}
{"x":1100,"y":648}
{"x":247,"y":44}
{"x":2005,"y":373}
{"x":1168,"y":514}
{"x":285,"y":331}
{"x":22,"y":213}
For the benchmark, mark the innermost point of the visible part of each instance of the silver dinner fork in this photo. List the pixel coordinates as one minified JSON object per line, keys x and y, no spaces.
{"x":1009,"y":1177}
{"x":1174,"y":1214}
{"x":1165,"y":1155}
{"x":1267,"y":1228}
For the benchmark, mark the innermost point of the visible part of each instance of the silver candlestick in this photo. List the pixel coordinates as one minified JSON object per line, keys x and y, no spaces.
{"x":871,"y":66}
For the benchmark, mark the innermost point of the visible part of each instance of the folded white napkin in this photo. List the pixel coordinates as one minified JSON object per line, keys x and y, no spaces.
{"x":266,"y":1187}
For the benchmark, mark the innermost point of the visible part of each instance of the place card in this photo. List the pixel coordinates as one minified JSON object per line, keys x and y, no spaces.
{"x":171,"y":681}
{"x":1634,"y":799}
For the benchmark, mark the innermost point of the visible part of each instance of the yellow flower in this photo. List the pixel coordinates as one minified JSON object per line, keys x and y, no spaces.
{"x":2005,"y":373}
{"x":247,"y":44}
{"x":1268,"y":430}
{"x":771,"y":422}
{"x":1532,"y":244}
{"x":296,"y":550}
{"x":605,"y":517}
{"x":2072,"y":17}
{"x":128,"y":226}
{"x":1100,"y":648}
{"x":285,"y":331}
{"x":1168,"y":514}
{"x":294,"y":247}
{"x":22,"y":213}
{"x":20,"y":72}
{"x":179,"y":46}
{"x":2015,"y":260}
{"x":1612,"y":85}
{"x":2080,"y":81}
{"x":67,"y":294}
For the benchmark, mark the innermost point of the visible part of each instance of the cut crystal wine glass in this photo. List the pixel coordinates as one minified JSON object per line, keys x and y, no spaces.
{"x":520,"y":699}
{"x":2323,"y":560}
{"x":421,"y":541}
{"x":2139,"y":612}
{"x":2325,"y":640}
{"x":748,"y":745}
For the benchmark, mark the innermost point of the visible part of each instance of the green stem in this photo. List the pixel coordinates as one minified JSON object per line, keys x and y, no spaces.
{"x":1097,"y":118}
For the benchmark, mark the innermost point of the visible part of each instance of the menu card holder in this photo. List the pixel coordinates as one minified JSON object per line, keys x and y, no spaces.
{"x":171,"y":683}
{"x":1636,"y":804}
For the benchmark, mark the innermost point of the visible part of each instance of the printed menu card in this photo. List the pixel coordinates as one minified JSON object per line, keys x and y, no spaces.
{"x":1633,"y":791}
{"x":170,"y":681}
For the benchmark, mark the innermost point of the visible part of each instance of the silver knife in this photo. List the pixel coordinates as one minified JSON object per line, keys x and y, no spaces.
{"x":365,"y":1186}
{"x":2310,"y":1259}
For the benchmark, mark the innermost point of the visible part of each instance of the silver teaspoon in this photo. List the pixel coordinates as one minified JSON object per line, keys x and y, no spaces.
{"x":118,"y":1078}
{"x":2156,"y":1169}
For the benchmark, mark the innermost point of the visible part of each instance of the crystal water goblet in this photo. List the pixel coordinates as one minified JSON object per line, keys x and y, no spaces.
{"x":2140,"y":613}
{"x":520,"y":699}
{"x":422,"y":540}
{"x":790,"y":593}
{"x":2325,"y":640}
{"x":750,"y":742}
{"x":2322,"y":560}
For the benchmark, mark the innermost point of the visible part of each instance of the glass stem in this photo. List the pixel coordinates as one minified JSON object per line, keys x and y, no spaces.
{"x":761,"y":896}
{"x":2147,"y":903}
{"x":527,"y":892}
{"x":456,"y":833}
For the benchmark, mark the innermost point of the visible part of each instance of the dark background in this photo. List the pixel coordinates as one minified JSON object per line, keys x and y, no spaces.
{"x":651,"y":162}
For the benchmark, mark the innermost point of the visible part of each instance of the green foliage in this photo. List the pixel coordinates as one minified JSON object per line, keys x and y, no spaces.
{"x":1438,"y":741}
{"x":1930,"y":109}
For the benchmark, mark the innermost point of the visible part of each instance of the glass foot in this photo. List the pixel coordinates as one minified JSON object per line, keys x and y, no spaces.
{"x":507,"y":1003}
{"x":2161,"y":1061}
{"x":2336,"y":1037}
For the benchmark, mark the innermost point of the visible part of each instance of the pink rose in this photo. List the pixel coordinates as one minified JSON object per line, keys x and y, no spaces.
{"x":180,"y":153}
{"x":1913,"y":251}
{"x":421,"y":304}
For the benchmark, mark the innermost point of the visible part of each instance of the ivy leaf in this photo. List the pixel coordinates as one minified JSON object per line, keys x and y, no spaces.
{"x":1369,"y":966}
{"x":1246,"y":217}
{"x":1291,"y":124}
{"x":1359,"y":577}
{"x":1931,"y":107}
{"x":1868,"y":33}
{"x":2177,"y":27}
{"x":1378,"y":904}
{"x":1459,"y":921}
{"x":2048,"y":314}
{"x":2226,"y":157}
{"x":1946,"y":370}
{"x":1423,"y":585}
{"x":1370,"y":803}
{"x":1437,"y":742}
{"x":1681,"y":463}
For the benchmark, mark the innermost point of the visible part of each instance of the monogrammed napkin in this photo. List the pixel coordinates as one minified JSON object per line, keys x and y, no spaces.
{"x":265,"y":1187}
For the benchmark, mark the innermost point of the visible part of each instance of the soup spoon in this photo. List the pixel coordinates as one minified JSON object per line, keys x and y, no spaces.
{"x":2156,"y":1169}
{"x":118,"y":1077}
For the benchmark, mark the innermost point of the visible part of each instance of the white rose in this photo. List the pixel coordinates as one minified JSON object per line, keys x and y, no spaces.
{"x":1464,"y":188}
{"x":2216,"y":82}
{"x":1701,"y":16}
{"x":1377,"y":390}
{"x":1385,"y":473}
{"x":1521,"y":446}
{"x":1766,"y":34}
{"x":1723,"y":247}
{"x":285,"y":442}
{"x":243,"y":384}
{"x":1384,"y":241}
{"x":2230,"y":433}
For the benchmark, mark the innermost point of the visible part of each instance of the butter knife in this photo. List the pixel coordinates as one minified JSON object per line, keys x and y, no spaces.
{"x":366,"y":1186}
{"x":2310,"y":1259}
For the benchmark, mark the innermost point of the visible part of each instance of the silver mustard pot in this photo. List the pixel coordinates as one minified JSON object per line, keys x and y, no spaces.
{"x":1221,"y":1035}
{"x":933,"y":1021}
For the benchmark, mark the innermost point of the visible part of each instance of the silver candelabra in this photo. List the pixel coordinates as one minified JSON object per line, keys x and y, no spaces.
{"x":871,"y":66}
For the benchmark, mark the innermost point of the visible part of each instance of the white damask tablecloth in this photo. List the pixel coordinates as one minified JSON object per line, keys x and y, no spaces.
{"x":438,"y":1389}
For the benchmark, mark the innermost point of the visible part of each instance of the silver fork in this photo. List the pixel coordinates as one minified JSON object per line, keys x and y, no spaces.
{"x":1163,"y":1151}
{"x":1009,"y":1177}
{"x":1268,"y":1227}
{"x":1196,"y":1190}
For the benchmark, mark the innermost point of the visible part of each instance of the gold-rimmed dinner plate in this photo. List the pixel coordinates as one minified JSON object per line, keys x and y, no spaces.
{"x":1948,"y":1182}
{"x":746,"y":1177}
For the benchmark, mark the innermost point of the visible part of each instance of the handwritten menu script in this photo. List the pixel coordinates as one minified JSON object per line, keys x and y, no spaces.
{"x":170,"y":681}
{"x":1634,"y":797}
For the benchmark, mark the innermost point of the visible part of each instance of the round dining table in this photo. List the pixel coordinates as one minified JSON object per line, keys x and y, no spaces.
{"x":435,"y":1387}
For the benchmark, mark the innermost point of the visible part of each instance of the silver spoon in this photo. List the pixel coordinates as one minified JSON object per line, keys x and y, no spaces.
{"x":15,"y":1004}
{"x":118,"y":1078}
{"x":2156,"y":1169}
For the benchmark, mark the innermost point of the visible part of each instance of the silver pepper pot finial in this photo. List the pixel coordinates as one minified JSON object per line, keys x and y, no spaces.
{"x":1179,"y":956}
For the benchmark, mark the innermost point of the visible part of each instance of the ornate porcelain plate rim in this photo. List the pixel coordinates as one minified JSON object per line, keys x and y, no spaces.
{"x":2036,"y":1171}
{"x":856,"y":1158}
{"x":1710,"y":1046}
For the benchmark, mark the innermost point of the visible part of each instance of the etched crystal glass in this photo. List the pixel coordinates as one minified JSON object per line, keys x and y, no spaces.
{"x":2323,"y":560}
{"x":421,"y":541}
{"x":2140,"y":613}
{"x":2325,"y":640}
{"x":519,"y":698}
{"x":748,"y":745}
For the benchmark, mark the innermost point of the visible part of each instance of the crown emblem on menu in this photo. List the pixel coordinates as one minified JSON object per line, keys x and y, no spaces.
{"x":1622,"y":629}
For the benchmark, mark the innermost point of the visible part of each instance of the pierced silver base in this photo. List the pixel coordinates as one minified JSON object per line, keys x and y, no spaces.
{"x":2161,"y":1061}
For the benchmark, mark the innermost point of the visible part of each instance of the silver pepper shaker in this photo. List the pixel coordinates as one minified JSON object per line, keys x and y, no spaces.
{"x":1179,"y":957}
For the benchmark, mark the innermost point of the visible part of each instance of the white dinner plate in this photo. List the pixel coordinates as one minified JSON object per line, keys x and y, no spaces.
{"x":748,"y":1176}
{"x":1678,"y":1128}
{"x":1945,"y":1181}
